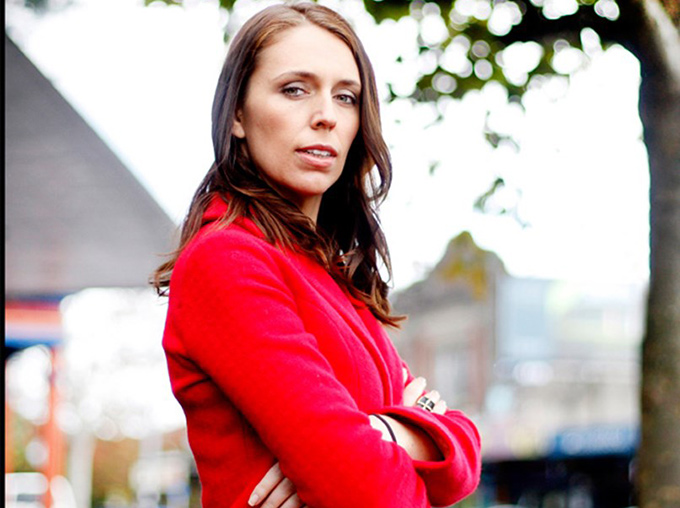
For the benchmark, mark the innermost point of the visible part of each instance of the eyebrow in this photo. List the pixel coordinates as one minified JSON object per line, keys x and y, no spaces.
{"x":311,"y":75}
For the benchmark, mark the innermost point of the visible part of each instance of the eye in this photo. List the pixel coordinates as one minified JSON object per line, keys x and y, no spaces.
{"x":293,"y":91}
{"x":347,"y":98}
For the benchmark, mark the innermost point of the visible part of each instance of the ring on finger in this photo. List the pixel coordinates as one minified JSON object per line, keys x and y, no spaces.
{"x":425,"y":403}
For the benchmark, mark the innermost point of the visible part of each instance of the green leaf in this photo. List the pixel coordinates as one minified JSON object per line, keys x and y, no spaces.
{"x":382,"y":10}
{"x":481,"y":202}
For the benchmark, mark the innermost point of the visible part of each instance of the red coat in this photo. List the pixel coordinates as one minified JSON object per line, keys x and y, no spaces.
{"x":270,"y":359}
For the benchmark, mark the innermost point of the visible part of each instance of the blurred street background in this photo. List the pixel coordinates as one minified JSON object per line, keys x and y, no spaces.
{"x":518,"y":224}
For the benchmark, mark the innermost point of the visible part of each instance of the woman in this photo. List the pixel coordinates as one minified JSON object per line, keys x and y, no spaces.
{"x":293,"y":393}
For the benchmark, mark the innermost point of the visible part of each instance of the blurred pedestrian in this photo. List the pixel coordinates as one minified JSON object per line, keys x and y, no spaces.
{"x":293,"y":393}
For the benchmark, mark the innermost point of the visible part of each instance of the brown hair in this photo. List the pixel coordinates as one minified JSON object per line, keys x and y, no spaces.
{"x":347,"y":239}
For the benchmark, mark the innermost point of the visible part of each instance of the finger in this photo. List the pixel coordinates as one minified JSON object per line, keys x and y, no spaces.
{"x":433,"y":395}
{"x":293,"y":502}
{"x":414,"y":390}
{"x":280,"y":494}
{"x":428,"y":400}
{"x":440,"y":407}
{"x":267,"y":484}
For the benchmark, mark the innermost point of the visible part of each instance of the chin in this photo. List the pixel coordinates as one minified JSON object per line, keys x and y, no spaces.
{"x":312,"y":191}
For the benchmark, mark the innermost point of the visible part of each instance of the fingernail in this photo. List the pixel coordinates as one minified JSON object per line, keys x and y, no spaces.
{"x":254,"y":498}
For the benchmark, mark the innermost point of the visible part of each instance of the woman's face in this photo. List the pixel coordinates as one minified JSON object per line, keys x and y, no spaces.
{"x":301,"y":113}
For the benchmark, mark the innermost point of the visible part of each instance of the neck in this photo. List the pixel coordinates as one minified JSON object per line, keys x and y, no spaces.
{"x":310,"y":208}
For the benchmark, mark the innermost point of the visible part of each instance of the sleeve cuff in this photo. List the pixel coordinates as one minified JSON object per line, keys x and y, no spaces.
{"x":437,"y":431}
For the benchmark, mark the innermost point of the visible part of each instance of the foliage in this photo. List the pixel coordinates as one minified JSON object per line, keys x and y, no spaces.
{"x":519,"y":44}
{"x":22,"y":432}
{"x":224,"y":4}
{"x":473,"y":42}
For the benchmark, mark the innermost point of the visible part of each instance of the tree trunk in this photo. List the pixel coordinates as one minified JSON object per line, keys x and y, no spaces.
{"x":659,"y":457}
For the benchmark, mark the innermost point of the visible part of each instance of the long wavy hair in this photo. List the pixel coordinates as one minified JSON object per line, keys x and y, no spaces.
{"x":347,"y":239}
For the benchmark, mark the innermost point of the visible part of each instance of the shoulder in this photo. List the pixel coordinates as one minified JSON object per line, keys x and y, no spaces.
{"x":235,"y":236}
{"x":224,"y":255}
{"x":236,"y":241}
{"x":217,"y":237}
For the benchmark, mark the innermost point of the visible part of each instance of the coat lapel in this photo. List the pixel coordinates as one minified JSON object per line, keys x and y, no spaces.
{"x":342,"y":302}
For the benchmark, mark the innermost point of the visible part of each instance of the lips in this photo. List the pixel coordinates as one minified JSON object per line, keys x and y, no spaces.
{"x":323,"y":151}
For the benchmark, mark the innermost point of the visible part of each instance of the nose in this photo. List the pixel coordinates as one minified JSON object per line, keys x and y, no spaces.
{"x":324,"y":116}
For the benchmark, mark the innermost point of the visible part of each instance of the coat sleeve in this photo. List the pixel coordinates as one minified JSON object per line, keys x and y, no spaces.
{"x":449,"y":480}
{"x":457,"y":475}
{"x":238,"y":321}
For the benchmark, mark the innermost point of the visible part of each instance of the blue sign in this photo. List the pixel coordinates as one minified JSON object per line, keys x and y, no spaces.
{"x":596,"y":440}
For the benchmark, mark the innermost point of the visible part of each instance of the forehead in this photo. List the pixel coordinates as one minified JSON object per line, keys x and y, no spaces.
{"x":308,"y":48}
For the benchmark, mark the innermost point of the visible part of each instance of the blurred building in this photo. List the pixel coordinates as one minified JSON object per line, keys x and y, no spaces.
{"x":548,"y":370}
{"x":75,"y":218}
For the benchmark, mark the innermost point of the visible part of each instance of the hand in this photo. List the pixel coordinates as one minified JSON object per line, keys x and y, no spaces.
{"x":416,"y":389}
{"x":275,"y":491}
{"x":414,"y":440}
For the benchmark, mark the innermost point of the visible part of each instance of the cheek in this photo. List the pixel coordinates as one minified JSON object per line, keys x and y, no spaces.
{"x":267,"y":124}
{"x":263,"y":119}
{"x":352,"y":130}
{"x":265,"y":135}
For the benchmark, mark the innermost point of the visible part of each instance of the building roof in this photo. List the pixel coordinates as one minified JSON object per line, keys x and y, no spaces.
{"x":466,"y":274}
{"x":75,"y":217}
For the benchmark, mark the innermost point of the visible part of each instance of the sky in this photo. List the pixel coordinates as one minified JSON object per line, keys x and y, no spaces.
{"x":144,"y":78}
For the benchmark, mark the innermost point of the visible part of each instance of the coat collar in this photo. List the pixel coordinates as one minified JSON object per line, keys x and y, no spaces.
{"x":217,"y":209}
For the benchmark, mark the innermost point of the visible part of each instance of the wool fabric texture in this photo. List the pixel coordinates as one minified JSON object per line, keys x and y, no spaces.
{"x":271,"y":360}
